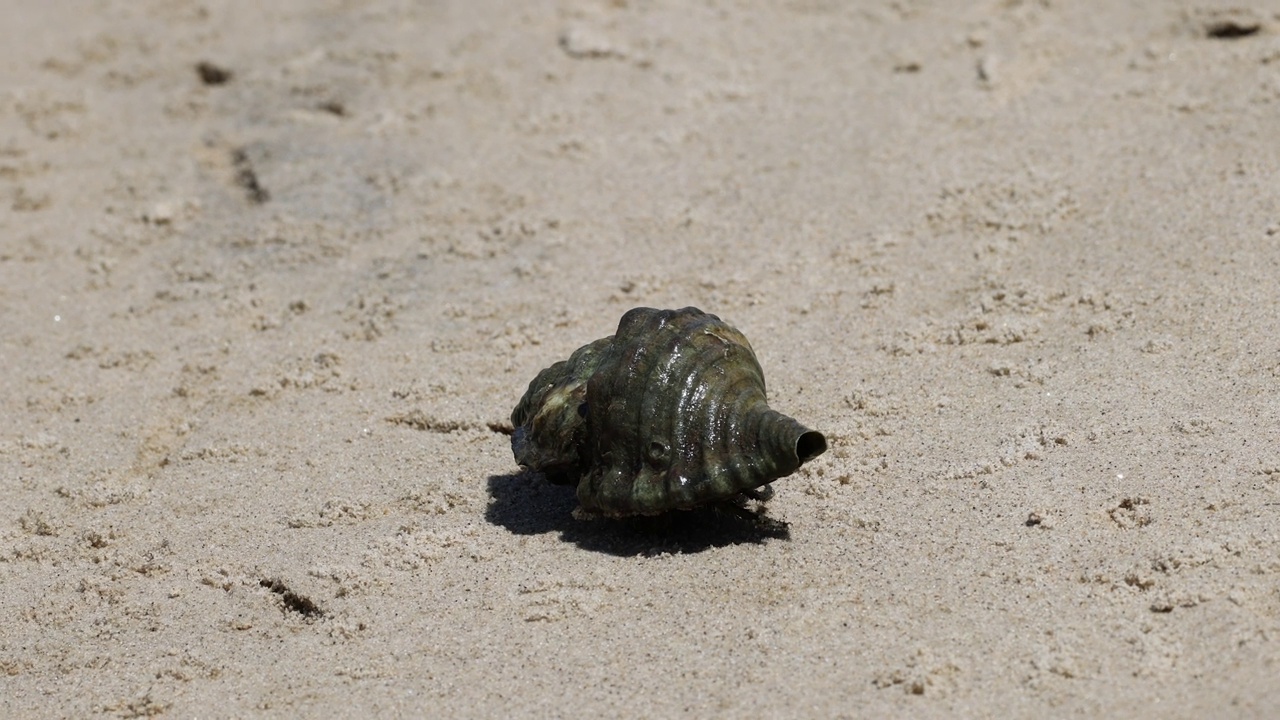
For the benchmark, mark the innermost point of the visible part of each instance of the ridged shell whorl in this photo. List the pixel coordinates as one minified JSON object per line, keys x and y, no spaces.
{"x":669,"y":413}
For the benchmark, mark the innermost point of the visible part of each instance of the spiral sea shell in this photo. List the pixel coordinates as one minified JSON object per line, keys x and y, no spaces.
{"x":669,"y":413}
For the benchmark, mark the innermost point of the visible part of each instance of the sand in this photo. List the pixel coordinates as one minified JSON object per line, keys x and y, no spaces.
{"x":274,"y":274}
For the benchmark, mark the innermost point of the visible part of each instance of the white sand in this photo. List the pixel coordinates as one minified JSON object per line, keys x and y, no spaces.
{"x":1013,"y":258}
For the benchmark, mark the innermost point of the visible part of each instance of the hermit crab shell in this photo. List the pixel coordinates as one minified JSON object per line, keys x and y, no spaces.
{"x":669,"y":413}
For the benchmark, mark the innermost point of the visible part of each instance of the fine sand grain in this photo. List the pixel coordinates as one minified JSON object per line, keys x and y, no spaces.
{"x":273,"y":275}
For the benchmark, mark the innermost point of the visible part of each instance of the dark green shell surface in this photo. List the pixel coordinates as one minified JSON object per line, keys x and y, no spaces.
{"x":668,"y":413}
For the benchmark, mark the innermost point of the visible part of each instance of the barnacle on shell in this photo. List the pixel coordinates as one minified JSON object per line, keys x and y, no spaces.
{"x":668,"y":413}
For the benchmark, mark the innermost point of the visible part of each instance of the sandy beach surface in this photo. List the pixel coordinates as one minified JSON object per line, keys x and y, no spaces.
{"x":273,"y":276}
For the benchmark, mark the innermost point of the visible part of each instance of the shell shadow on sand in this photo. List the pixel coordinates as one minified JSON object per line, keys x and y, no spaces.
{"x":526,"y":504}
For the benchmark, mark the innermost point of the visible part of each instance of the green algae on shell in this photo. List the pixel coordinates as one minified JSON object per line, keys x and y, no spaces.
{"x":669,"y":413}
